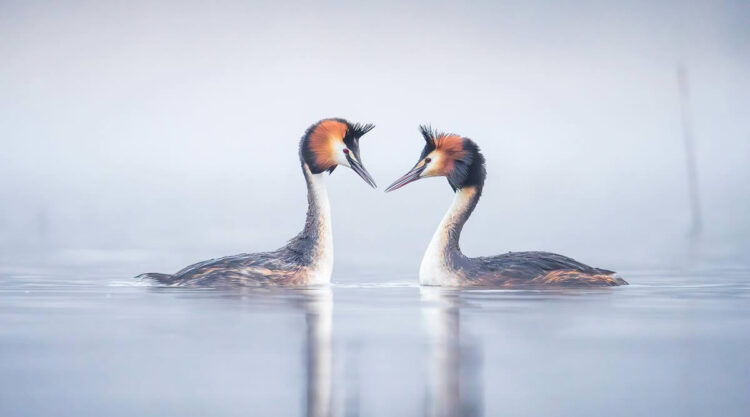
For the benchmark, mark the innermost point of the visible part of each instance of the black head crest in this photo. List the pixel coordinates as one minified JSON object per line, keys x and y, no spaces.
{"x":428,"y":134}
{"x":354,"y":132}
{"x":358,"y":130}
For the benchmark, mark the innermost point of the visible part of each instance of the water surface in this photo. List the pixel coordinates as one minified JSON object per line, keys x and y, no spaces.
{"x":95,"y":342}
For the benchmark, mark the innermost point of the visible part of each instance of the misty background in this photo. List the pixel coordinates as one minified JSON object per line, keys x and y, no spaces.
{"x":163,"y":133}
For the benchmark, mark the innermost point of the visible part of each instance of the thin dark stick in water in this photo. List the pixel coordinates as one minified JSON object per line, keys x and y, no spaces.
{"x":692,"y":168}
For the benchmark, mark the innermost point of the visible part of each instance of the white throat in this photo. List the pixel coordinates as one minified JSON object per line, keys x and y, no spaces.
{"x":434,"y":269}
{"x":322,"y":267}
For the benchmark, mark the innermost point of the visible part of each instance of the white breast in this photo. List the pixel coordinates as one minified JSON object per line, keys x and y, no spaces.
{"x":432,"y":271}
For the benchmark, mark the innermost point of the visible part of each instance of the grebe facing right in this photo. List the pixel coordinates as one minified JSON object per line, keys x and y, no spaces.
{"x":460,"y":160}
{"x":308,"y":258}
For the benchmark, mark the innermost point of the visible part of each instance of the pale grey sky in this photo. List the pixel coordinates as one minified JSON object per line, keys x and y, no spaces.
{"x":168,"y":132}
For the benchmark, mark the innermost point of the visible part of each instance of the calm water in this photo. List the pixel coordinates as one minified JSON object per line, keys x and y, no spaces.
{"x":88,"y":342}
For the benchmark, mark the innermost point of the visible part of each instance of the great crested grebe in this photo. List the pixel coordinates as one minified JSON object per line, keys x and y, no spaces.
{"x":459,"y":159}
{"x":307,"y":259}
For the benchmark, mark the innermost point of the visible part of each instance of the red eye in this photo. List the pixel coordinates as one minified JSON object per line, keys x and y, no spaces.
{"x":346,"y":151}
{"x":427,"y":160}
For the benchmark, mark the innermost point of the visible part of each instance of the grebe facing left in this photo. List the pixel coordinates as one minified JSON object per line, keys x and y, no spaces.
{"x":460,"y":160}
{"x":307,"y":259}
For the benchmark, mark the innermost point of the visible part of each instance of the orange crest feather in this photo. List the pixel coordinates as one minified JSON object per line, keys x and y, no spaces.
{"x":321,"y":141}
{"x":451,"y":147}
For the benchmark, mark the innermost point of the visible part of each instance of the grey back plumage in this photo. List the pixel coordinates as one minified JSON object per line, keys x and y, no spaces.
{"x":284,"y":266}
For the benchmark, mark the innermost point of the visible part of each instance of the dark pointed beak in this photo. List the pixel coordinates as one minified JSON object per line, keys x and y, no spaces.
{"x":410,"y":176}
{"x":360,"y":169}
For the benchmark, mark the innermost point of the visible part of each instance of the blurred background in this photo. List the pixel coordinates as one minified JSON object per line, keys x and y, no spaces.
{"x":163,"y":133}
{"x":143,"y":136}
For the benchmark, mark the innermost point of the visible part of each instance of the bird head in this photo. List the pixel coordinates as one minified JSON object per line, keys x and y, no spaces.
{"x":333,"y":142}
{"x":446,"y":155}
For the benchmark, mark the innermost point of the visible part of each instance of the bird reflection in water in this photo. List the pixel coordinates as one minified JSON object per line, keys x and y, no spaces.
{"x":454,"y":386}
{"x":320,"y":384}
{"x":318,"y":307}
{"x":316,"y":304}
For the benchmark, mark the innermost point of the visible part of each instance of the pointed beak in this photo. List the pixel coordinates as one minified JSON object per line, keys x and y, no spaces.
{"x":410,"y":176}
{"x":361,"y":171}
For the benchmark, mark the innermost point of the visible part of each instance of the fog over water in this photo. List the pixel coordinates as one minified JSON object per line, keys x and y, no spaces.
{"x":144,"y":136}
{"x":167,"y":133}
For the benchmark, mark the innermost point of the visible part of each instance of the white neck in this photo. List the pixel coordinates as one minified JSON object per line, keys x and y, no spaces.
{"x":322,"y":267}
{"x":434,"y":269}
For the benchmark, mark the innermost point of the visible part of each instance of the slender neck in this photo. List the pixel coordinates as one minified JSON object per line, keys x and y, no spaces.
{"x":448,"y":233}
{"x":318,"y":207}
{"x":315,"y":243}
